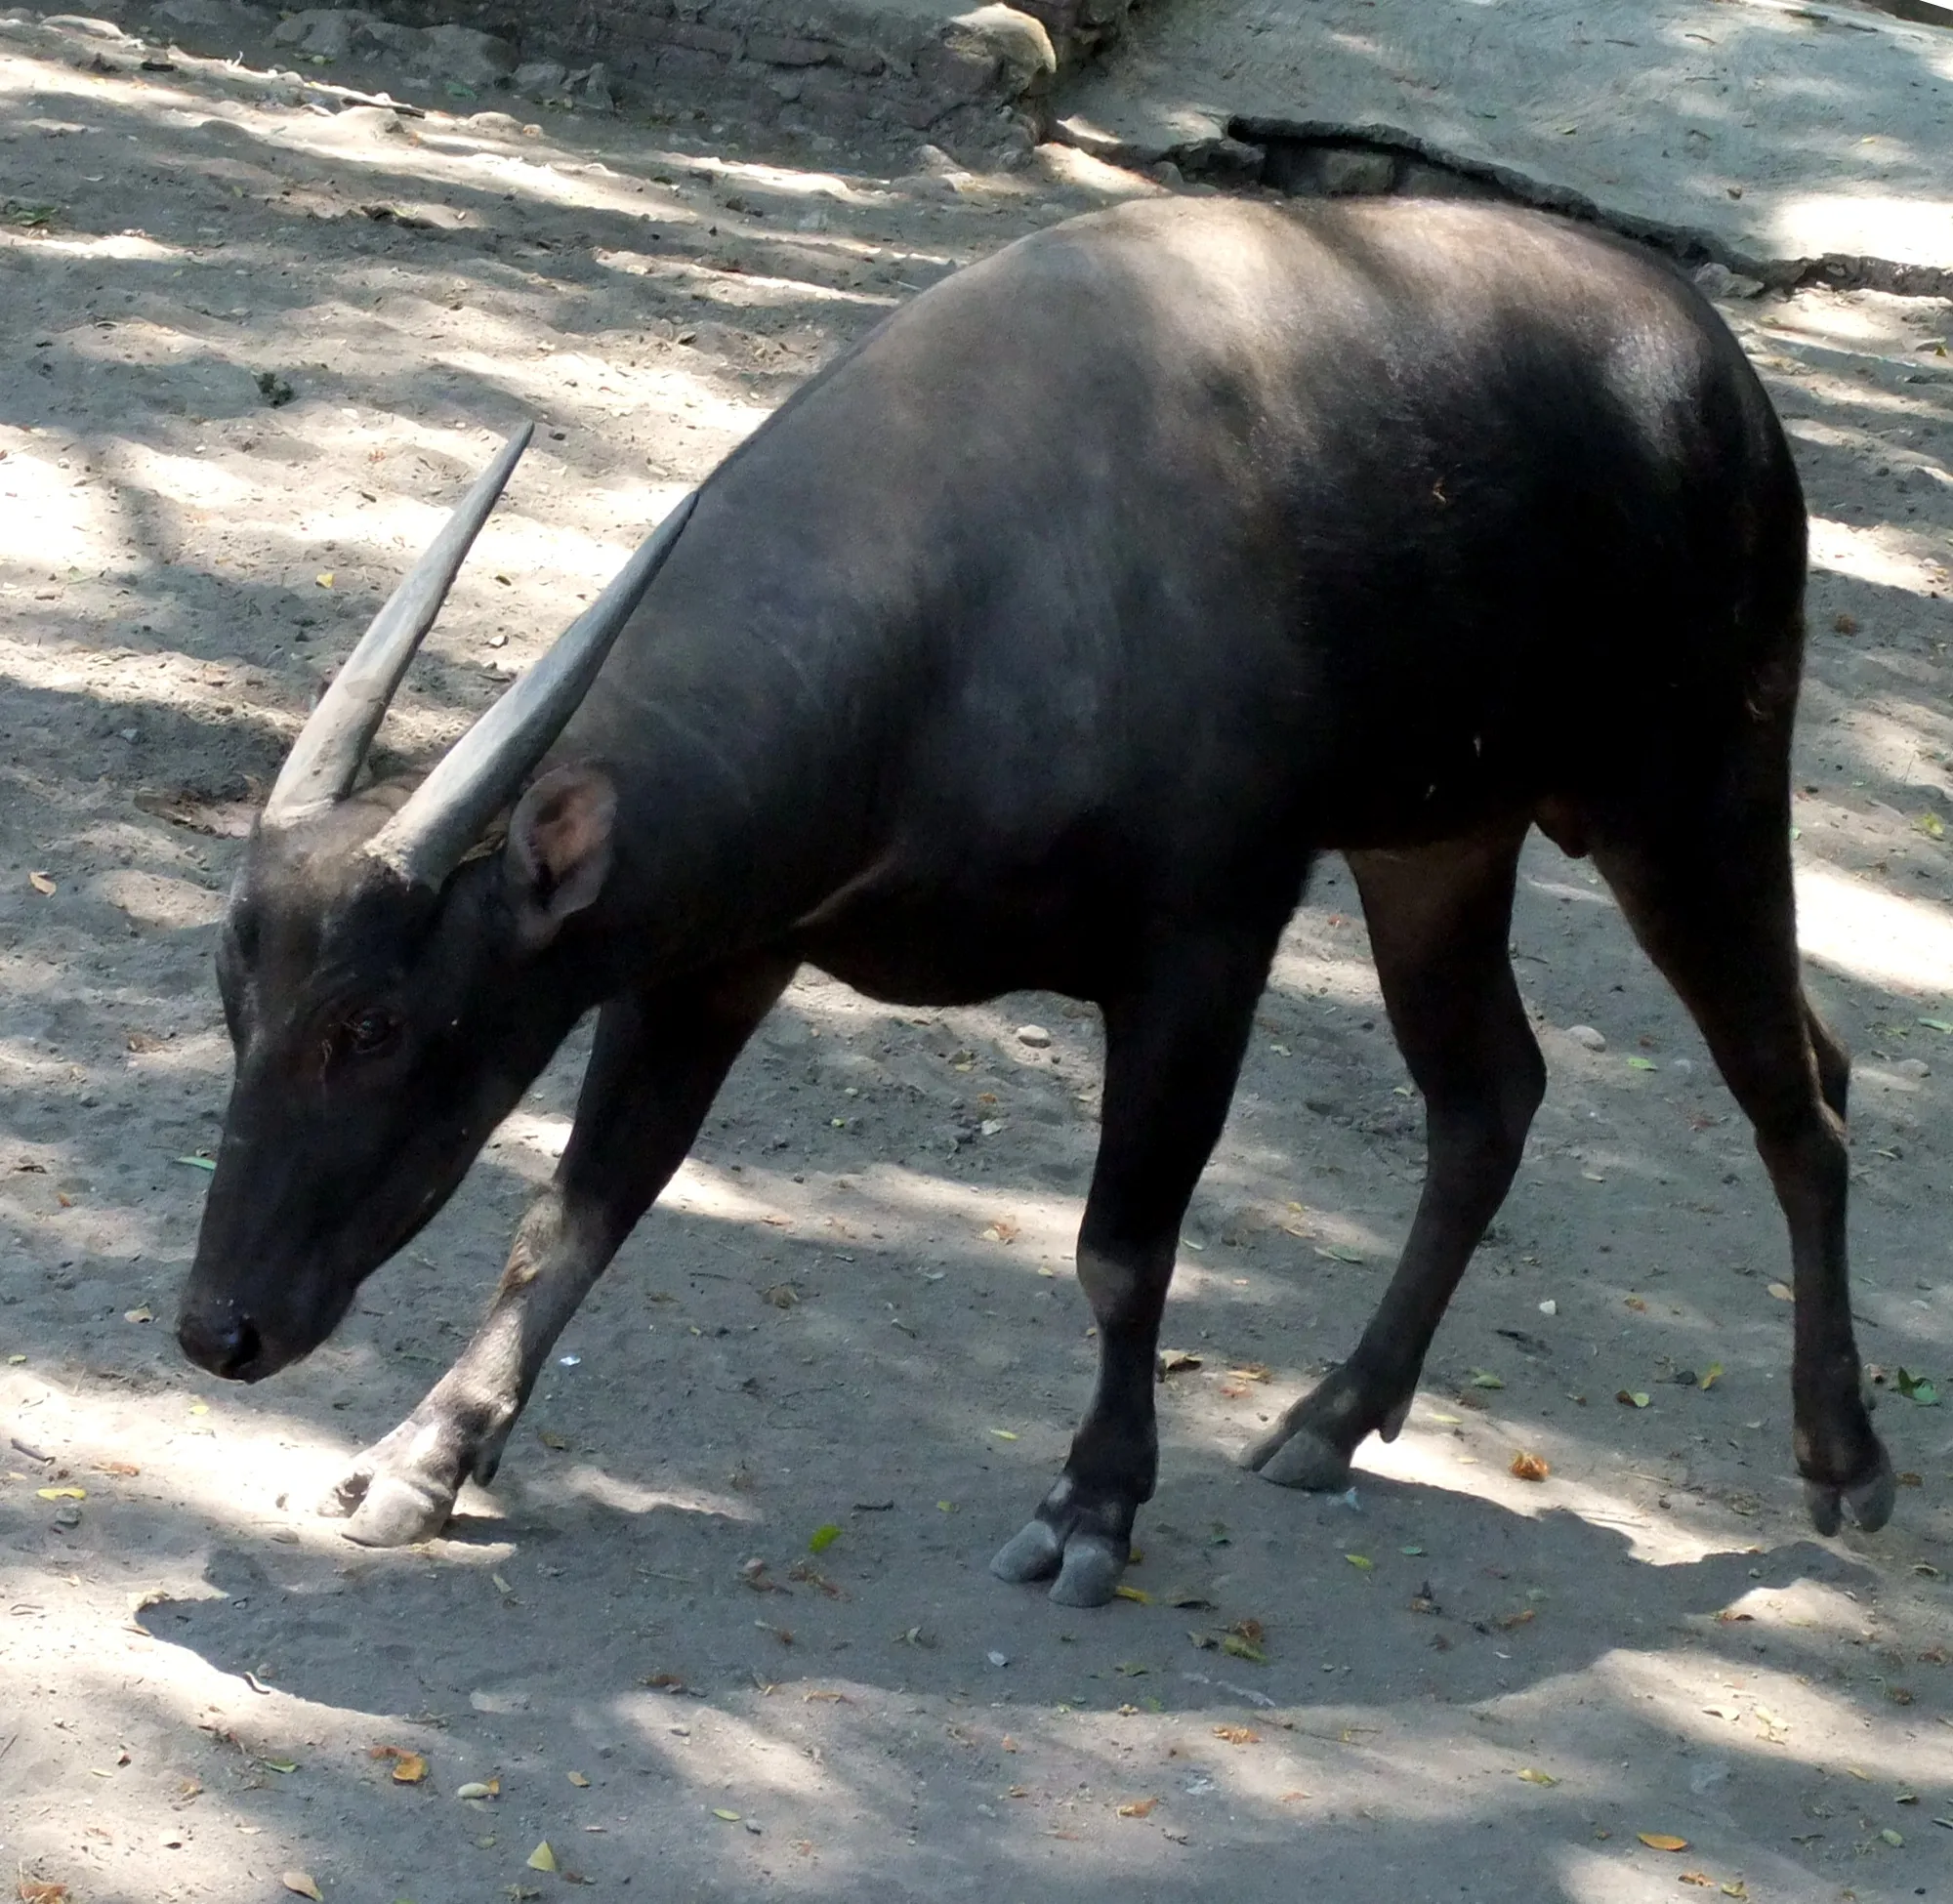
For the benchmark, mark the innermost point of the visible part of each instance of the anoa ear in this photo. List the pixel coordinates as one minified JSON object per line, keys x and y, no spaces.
{"x":559,"y":849}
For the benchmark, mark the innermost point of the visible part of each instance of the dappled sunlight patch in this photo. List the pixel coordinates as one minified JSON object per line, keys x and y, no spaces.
{"x":1908,"y":228}
{"x":47,"y":520}
{"x":160,"y":901}
{"x":1858,"y":928}
{"x":1764,"y":1712}
{"x":1879,"y":553}
{"x":585,"y":1483}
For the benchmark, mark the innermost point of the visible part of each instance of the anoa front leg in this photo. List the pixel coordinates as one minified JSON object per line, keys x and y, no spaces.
{"x":656,"y":1065}
{"x":1172,"y":1050}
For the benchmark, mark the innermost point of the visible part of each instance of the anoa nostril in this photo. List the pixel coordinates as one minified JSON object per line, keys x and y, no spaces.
{"x":225,"y":1346}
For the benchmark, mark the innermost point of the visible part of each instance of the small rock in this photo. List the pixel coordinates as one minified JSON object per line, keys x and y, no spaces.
{"x":1549,"y":1307}
{"x":1586,"y":1037}
{"x":998,"y":1659}
{"x":499,"y":1699}
{"x":539,"y":79}
{"x":466,"y":55}
{"x":1914,"y":1068}
{"x":593,"y":89}
{"x":1033,"y":1035}
{"x":1720,"y":281}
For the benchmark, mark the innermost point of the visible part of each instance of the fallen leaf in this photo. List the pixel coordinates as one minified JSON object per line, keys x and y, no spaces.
{"x":409,"y":1769}
{"x":1177,"y":1361}
{"x":1485,"y":1378}
{"x":1641,"y":1064}
{"x":1338,"y":1253}
{"x":1701,"y":1878}
{"x":1005,"y":1434}
{"x":479,"y":1787}
{"x":1937,"y":1024}
{"x":1782,"y":1292}
{"x":578,"y":1780}
{"x":822,"y":1538}
{"x":323,"y":579}
{"x":1138,"y":1809}
{"x":35,"y":1891}
{"x":1535,"y":1776}
{"x":1735,"y":1888}
{"x":197,"y":1163}
{"x":542,"y":1858}
{"x":284,"y":1768}
{"x":62,"y":1493}
{"x":41,"y":883}
{"x":719,"y":1811}
{"x":551,"y":1440}
{"x":143,"y":1314}
{"x":1632,"y":1398}
{"x":1916,"y":1388}
{"x":1361,"y":1562}
{"x":1893,"y":1837}
{"x":1637,"y":1302}
{"x":1239,"y":1735}
{"x":126,"y":1469}
{"x":1709,"y":1375}
{"x":1514,"y":1621}
{"x":302,"y":1881}
{"x":1662,"y":1842}
{"x":1137,"y":1595}
{"x":1530,"y":1467}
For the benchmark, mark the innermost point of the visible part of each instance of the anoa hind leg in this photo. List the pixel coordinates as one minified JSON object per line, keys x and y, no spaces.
{"x":1707,"y":887}
{"x":1438,"y":918}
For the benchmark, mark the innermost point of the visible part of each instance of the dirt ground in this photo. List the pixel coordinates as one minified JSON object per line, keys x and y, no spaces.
{"x":249,"y":349}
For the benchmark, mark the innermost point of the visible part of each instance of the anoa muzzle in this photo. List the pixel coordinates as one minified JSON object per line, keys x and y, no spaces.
{"x":1044,"y":640}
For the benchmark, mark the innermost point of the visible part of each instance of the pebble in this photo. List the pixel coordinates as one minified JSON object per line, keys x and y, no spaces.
{"x":1033,"y":1035}
{"x":1912,"y":1067}
{"x":1586,"y":1037}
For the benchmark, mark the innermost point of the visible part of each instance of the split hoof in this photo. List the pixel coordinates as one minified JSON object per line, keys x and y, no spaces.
{"x":1869,"y":1503}
{"x":1088,"y":1565}
{"x":1299,"y":1458}
{"x":1033,"y":1552}
{"x":397,"y":1512}
{"x":1089,"y":1576}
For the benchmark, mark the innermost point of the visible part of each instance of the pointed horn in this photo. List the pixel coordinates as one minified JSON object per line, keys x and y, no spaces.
{"x":326,"y":757}
{"x":426,"y":839}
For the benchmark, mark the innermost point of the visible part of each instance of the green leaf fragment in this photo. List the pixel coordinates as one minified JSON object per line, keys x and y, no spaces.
{"x":1641,"y":1064}
{"x":1485,"y":1378}
{"x":822,"y":1538}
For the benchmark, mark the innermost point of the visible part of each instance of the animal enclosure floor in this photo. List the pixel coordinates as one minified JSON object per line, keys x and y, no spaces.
{"x":248,"y":352}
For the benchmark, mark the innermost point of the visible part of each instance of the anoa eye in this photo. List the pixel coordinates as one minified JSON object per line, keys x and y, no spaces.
{"x":371,"y":1030}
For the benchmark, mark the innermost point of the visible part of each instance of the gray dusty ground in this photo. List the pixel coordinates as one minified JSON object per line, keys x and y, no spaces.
{"x":854,"y":1311}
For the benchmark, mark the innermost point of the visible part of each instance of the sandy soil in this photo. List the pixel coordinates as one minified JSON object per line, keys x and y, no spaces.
{"x":854,"y":1311}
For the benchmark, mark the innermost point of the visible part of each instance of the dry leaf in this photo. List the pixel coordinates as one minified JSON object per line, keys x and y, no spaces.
{"x":409,"y":1769}
{"x":35,"y":1891}
{"x":1662,"y":1842}
{"x":1535,"y":1776}
{"x":1002,"y":1230}
{"x":1514,"y":1621}
{"x":62,"y":1493}
{"x":578,"y":1779}
{"x":551,"y":1440}
{"x":1136,"y":1594}
{"x":1701,"y":1878}
{"x":1237,"y":1736}
{"x":1631,"y":1397}
{"x":1138,"y":1809}
{"x":1782,"y":1292}
{"x":302,"y":1882}
{"x":41,"y":883}
{"x":126,"y":1469}
{"x":1530,"y":1467}
{"x":542,"y":1858}
{"x":719,"y":1811}
{"x":479,"y":1787}
{"x":143,"y":1314}
{"x":1019,"y":1791}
